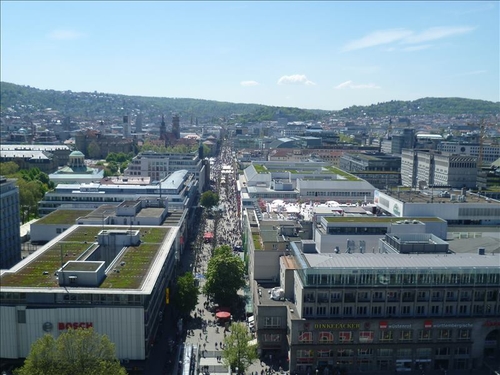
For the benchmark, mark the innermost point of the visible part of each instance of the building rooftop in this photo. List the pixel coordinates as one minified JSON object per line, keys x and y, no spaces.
{"x":397,"y":261}
{"x":433,"y":196}
{"x":141,"y":263}
{"x":63,"y":217}
{"x":378,"y":219}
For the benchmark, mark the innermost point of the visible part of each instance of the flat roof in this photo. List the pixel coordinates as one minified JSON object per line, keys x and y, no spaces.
{"x":378,"y":219}
{"x":82,"y":266}
{"x":143,"y":262}
{"x":415,"y":196}
{"x":397,"y":261}
{"x":63,"y":217}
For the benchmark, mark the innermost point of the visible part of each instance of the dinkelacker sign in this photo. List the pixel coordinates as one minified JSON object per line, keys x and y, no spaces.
{"x":337,"y":326}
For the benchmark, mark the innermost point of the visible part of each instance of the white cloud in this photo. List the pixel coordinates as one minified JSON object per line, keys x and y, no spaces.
{"x":249,"y":83}
{"x":434,"y":33}
{"x":472,"y":73}
{"x":295,"y":79}
{"x":417,"y":48}
{"x":377,"y":38}
{"x":64,"y":35}
{"x":405,"y":36}
{"x":351,"y":85}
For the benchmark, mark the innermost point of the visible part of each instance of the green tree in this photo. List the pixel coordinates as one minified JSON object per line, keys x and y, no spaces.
{"x":186,"y":294}
{"x":93,"y":150}
{"x":209,"y":199}
{"x":80,"y":351}
{"x":225,"y":275}
{"x":8,"y":168}
{"x":237,"y":350}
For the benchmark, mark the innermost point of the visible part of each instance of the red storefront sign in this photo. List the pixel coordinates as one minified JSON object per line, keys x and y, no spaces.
{"x":492,"y":323}
{"x":383,"y":325}
{"x":428,"y":324}
{"x":62,"y":326}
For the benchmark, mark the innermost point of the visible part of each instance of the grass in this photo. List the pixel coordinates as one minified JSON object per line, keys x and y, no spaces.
{"x":257,"y":241}
{"x":63,"y":217}
{"x":137,"y":260}
{"x":340,"y":172}
{"x":260,"y":168}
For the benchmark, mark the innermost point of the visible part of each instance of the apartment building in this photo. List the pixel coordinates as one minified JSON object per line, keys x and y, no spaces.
{"x":10,"y":238}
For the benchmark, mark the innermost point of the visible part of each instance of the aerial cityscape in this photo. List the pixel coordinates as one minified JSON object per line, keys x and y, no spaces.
{"x":307,"y":188}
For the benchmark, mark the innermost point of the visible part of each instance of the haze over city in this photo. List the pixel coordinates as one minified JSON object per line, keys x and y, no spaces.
{"x":323,"y":55}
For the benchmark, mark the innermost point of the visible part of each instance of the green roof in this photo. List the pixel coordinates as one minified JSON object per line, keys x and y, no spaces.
{"x":259,"y":168}
{"x":377,"y":219}
{"x":138,"y":259}
{"x":63,"y":217}
{"x":340,"y":172}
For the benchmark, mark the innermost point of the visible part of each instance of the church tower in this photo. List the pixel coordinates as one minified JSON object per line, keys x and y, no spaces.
{"x":163,"y":129}
{"x":176,"y":130}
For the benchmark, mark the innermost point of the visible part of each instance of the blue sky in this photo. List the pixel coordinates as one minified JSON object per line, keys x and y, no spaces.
{"x":325,"y":55}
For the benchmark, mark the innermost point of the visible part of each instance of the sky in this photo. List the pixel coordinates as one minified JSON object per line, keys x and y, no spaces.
{"x":317,"y":55}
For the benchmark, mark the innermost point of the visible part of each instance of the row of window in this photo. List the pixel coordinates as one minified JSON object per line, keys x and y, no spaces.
{"x":404,"y":335}
{"x":396,"y":296}
{"x":304,"y":355}
{"x":400,"y":278}
{"x":338,"y":194}
{"x":403,"y":311}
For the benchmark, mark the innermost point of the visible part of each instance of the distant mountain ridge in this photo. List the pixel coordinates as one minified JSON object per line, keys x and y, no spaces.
{"x":101,"y":106}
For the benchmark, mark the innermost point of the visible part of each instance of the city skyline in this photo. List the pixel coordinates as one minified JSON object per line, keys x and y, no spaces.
{"x":316,"y":55}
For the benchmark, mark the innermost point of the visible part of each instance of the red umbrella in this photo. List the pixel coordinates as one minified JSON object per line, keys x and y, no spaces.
{"x":223,"y":315}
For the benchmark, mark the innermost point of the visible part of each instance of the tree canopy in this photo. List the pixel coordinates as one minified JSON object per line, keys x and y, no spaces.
{"x":185,"y":297}
{"x":209,"y":199}
{"x":237,"y":351}
{"x":80,"y":351}
{"x":225,"y":275}
{"x":32,"y":183}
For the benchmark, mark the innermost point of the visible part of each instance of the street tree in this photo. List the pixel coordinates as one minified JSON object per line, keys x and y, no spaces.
{"x":80,"y":351}
{"x":209,"y":199}
{"x":185,"y":297}
{"x":238,"y":352}
{"x":225,"y":275}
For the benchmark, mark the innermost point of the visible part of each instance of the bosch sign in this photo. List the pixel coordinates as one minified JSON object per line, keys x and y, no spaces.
{"x":75,"y":325}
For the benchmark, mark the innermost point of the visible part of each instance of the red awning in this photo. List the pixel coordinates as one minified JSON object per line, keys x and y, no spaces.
{"x":223,"y":315}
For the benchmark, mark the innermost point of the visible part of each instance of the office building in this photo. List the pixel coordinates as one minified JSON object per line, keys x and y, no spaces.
{"x":381,"y":313}
{"x":10,"y":221}
{"x":116,"y":279}
{"x":434,"y":168}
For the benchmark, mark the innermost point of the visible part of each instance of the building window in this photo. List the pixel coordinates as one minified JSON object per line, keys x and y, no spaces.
{"x":405,"y":310}
{"x":345,"y":353}
{"x":462,"y":351}
{"x":271,"y":337}
{"x":347,"y":310}
{"x":449,"y":310}
{"x":424,"y":353}
{"x":334,"y":310}
{"x":444,"y":334}
{"x":325,"y":337}
{"x":463,"y":309}
{"x":308,"y":311}
{"x":390,"y":310}
{"x":345,"y":336}
{"x":386,"y":336}
{"x":321,"y":310}
{"x":405,"y":335}
{"x":305,"y":337}
{"x":325,"y":353}
{"x":366,"y":336}
{"x":425,"y":335}
{"x":305,"y":356}
{"x":464,"y":334}
{"x":362,"y":310}
{"x":442,"y":351}
{"x":385,"y":352}
{"x":272,"y":322}
{"x":376,"y":310}
{"x":435,"y":310}
{"x":420,"y":310}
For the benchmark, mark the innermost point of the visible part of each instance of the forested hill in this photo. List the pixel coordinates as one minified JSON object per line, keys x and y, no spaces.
{"x":102,"y":105}
{"x":26,"y":100}
{"x":426,"y":106}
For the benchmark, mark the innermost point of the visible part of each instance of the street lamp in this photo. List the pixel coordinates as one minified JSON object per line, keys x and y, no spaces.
{"x":236,"y":369}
